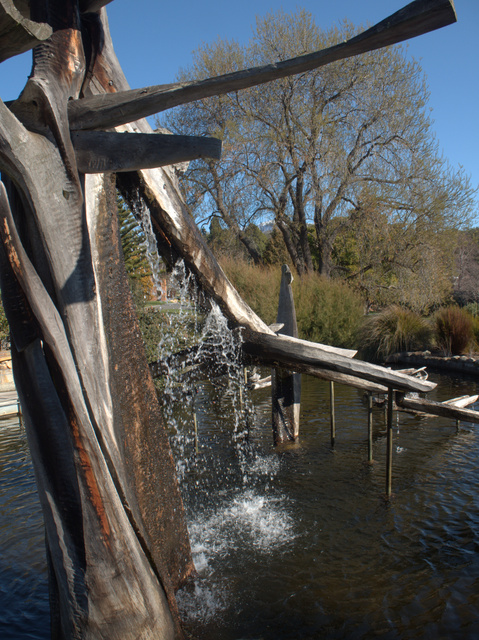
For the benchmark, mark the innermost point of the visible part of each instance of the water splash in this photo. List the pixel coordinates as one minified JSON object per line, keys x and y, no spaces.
{"x":247,"y":522}
{"x":142,"y":214}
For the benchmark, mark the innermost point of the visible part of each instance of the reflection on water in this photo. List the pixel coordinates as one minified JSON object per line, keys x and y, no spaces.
{"x":24,"y":603}
{"x":297,"y":543}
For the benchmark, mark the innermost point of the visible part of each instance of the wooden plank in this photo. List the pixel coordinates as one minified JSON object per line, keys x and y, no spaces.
{"x":17,"y":33}
{"x":437,"y":409}
{"x":279,"y":350}
{"x":418,"y":17}
{"x":106,"y":152}
{"x":88,"y":6}
{"x":462,"y":401}
{"x":346,"y":353}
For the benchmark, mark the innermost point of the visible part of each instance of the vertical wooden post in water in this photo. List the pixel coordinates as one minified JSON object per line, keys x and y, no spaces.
{"x":333,"y":416}
{"x":389,"y":445}
{"x":370,"y":427}
{"x":286,"y":386}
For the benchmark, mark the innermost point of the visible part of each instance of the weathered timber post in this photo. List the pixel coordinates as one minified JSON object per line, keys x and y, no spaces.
{"x":285,"y":385}
{"x":389,"y":443}
{"x":333,"y":414}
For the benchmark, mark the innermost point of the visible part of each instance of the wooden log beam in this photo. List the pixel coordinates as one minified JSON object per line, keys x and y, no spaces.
{"x":437,"y":408}
{"x":17,"y":33}
{"x":281,"y":351}
{"x":88,"y":6}
{"x":99,"y":112}
{"x":107,"y":152}
{"x":341,"y":378}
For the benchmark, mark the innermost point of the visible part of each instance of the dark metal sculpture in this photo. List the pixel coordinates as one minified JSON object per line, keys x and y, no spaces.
{"x":116,"y":537}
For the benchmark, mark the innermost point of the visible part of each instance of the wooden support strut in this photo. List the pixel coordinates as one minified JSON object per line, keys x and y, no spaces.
{"x":389,"y":444}
{"x":110,"y":151}
{"x":333,"y":414}
{"x":417,"y":18}
{"x":370,"y":427}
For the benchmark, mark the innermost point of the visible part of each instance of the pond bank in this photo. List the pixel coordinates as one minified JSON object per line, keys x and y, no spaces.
{"x":468,"y":365}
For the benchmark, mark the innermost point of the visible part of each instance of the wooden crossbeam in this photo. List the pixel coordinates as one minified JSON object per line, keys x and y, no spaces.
{"x":278,"y":350}
{"x":113,"y":109}
{"x":443,"y":409}
{"x":106,"y":152}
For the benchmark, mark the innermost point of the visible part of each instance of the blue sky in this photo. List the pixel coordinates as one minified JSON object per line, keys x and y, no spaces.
{"x":154,"y":39}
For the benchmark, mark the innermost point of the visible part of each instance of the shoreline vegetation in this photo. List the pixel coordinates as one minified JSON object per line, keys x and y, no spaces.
{"x":332,"y":312}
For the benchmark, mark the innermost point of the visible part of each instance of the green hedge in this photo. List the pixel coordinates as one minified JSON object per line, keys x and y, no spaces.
{"x":327,"y":311}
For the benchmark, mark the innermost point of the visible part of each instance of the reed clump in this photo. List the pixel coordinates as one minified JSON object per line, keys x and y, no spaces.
{"x":393,"y":330}
{"x":454,"y":330}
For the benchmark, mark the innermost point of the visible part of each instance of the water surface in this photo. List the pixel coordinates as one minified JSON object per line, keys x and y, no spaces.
{"x":297,"y":543}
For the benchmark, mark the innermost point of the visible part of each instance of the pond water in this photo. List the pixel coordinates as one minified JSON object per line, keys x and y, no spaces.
{"x":295,"y":543}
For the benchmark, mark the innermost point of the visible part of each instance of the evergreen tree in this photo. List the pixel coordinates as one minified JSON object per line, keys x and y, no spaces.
{"x":135,"y":255}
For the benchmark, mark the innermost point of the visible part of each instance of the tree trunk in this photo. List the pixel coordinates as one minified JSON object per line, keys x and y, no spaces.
{"x":325,"y":261}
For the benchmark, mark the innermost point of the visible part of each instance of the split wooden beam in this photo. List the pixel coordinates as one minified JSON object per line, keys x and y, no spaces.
{"x":113,"y":109}
{"x":111,"y":151}
{"x":17,"y":32}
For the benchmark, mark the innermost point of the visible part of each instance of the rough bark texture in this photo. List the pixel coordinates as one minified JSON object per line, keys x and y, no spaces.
{"x":116,"y":536}
{"x":286,"y":386}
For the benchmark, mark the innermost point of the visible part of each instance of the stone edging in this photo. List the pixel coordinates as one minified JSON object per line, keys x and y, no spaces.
{"x":460,"y":364}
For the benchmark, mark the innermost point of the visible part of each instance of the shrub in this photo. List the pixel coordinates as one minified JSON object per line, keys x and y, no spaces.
{"x":258,"y":286}
{"x":327,"y":311}
{"x":394,"y":330}
{"x":475,"y":333}
{"x":473,"y":309}
{"x":454,"y":330}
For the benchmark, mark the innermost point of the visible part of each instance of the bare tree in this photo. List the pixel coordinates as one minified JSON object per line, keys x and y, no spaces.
{"x":314,"y":150}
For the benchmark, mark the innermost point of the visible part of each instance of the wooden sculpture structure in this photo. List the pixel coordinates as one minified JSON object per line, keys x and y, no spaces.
{"x":117,"y":543}
{"x":286,"y":385}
